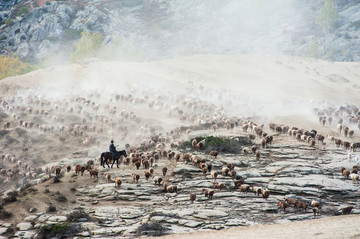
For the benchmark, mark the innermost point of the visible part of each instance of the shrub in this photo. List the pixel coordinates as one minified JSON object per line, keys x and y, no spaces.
{"x":8,"y":21}
{"x":54,"y":229}
{"x":23,"y":10}
{"x":151,"y":229}
{"x":327,"y":15}
{"x":51,"y":208}
{"x":11,"y":66}
{"x":220,"y":144}
{"x":4,"y":214}
{"x":313,"y":50}
{"x":76,"y":214}
{"x":73,"y":34}
{"x":87,"y":46}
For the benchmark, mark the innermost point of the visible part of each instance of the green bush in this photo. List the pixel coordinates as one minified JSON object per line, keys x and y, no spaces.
{"x":327,"y":15}
{"x":73,"y":34}
{"x":220,"y":144}
{"x":54,"y":229}
{"x":313,"y":50}
{"x":8,"y":21}
{"x":23,"y":10}
{"x":87,"y":47}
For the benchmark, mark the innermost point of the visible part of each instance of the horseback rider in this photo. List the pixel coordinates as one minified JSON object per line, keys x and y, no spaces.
{"x":112,"y":147}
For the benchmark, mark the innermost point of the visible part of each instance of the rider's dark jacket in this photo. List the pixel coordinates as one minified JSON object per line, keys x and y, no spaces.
{"x":112,"y":148}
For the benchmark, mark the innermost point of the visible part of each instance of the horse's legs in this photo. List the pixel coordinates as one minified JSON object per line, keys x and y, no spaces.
{"x":113,"y":163}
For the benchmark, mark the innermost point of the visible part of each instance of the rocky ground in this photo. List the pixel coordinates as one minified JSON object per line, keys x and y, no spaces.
{"x":42,"y":131}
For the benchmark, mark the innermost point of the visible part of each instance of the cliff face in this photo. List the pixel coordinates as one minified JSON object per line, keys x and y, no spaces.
{"x":158,"y":29}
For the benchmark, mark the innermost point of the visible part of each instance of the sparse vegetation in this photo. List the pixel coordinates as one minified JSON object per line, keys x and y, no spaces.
{"x":87,"y":47}
{"x":313,"y":50}
{"x":77,"y":214}
{"x":51,"y":208}
{"x":4,"y":214}
{"x":53,"y":229}
{"x":8,"y":22}
{"x":11,"y":66}
{"x":220,"y":144}
{"x":73,"y":34}
{"x":327,"y":15}
{"x":151,"y":229}
{"x":23,"y":10}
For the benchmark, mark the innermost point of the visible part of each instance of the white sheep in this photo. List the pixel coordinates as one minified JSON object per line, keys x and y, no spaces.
{"x":354,"y":177}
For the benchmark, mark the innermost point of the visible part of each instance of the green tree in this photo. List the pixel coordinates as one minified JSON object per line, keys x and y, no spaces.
{"x":327,"y":15}
{"x":12,"y":66}
{"x":23,"y":10}
{"x":87,"y":47}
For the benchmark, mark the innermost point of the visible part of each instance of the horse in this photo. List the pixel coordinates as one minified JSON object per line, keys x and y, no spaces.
{"x":105,"y":156}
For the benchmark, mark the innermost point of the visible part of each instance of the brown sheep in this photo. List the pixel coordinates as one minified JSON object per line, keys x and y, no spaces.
{"x":351,"y":133}
{"x":283,"y":205}
{"x":151,"y":171}
{"x":77,"y":168}
{"x":192,"y":197}
{"x":258,"y":155}
{"x":118,"y":182}
{"x":213,"y":153}
{"x":346,"y":131}
{"x":337,"y":142}
{"x":265,"y":193}
{"x":147,"y":175}
{"x":346,"y":144}
{"x":345,"y":172}
{"x":347,"y":210}
{"x":68,"y":168}
{"x":165,"y":185}
{"x":164,"y":171}
{"x":137,"y":164}
{"x":233,"y":174}
{"x":230,"y":166}
{"x":135,"y":177}
{"x":316,"y":211}
{"x":312,"y":143}
{"x":209,"y":167}
{"x":290,"y":201}
{"x":253,"y":149}
{"x":204,"y":171}
{"x":238,"y":183}
{"x":108,"y":178}
{"x":201,"y":144}
{"x":146,"y":164}
{"x":219,"y":186}
{"x":263,"y":143}
{"x":211,"y":194}
{"x":82,"y":170}
{"x":206,"y":192}
{"x":93,"y":173}
{"x":194,"y":143}
{"x":244,"y":188}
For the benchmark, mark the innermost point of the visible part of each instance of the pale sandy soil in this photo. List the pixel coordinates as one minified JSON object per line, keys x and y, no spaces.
{"x":330,"y":227}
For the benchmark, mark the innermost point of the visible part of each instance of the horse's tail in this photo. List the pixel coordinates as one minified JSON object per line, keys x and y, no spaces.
{"x":101,"y":159}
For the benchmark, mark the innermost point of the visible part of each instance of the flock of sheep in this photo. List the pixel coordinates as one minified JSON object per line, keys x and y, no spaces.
{"x":88,"y":121}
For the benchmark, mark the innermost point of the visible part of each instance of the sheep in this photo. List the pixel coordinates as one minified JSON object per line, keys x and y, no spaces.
{"x":211,"y":194}
{"x":290,"y":201}
{"x":346,"y":144}
{"x":57,"y":171}
{"x":346,"y":131}
{"x":82,"y":170}
{"x":151,"y":171}
{"x":204,"y":170}
{"x":219,"y":186}
{"x":192,"y":197}
{"x":339,"y":127}
{"x":352,"y":147}
{"x":351,"y":133}
{"x":225,"y":171}
{"x":164,"y":170}
{"x":165,"y":185}
{"x":147,"y":175}
{"x":157,"y":180}
{"x":206,"y":192}
{"x":253,"y":149}
{"x":201,"y":144}
{"x":209,"y":167}
{"x":68,"y":168}
{"x":137,"y":164}
{"x":108,"y":178}
{"x":233,"y":174}
{"x":257,"y":190}
{"x":214,"y":175}
{"x":316,"y":211}
{"x":93,"y":173}
{"x":7,"y":125}
{"x":345,"y":172}
{"x":258,"y":155}
{"x":347,"y":210}
{"x":118,"y":182}
{"x":135,"y":177}
{"x":172,"y":189}
{"x":315,"y":203}
{"x":230,"y":166}
{"x":354,"y":177}
{"x":213,"y":153}
{"x":194,"y":143}
{"x":244,"y":188}
{"x":246,"y":151}
{"x":300,"y":205}
{"x":337,"y":142}
{"x":283,"y":205}
{"x":312,"y":143}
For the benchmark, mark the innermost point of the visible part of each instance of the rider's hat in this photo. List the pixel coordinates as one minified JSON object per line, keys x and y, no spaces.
{"x":112,"y":141}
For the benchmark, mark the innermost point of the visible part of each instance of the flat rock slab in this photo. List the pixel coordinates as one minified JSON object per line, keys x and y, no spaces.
{"x":184,"y":168}
{"x":207,"y":214}
{"x":190,"y":223}
{"x":24,"y":226}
